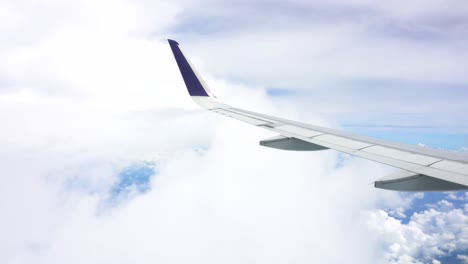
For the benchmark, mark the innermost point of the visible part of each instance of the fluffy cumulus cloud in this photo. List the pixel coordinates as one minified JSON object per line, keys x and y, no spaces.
{"x":106,"y":159}
{"x":429,"y":235}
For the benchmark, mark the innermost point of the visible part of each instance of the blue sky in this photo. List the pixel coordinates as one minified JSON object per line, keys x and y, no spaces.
{"x":103,"y":150}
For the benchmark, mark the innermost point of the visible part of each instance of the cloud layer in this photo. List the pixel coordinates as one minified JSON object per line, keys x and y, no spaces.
{"x":89,"y":91}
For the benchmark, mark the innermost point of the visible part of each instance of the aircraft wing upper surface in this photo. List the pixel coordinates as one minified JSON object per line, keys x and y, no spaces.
{"x":422,"y":168}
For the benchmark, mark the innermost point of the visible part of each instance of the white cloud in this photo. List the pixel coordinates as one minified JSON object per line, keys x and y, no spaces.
{"x":323,"y":42}
{"x":347,"y":61}
{"x":463,"y":258}
{"x":88,"y":88}
{"x":453,"y":196}
{"x":431,"y":234}
{"x":399,"y":212}
{"x":442,"y":205}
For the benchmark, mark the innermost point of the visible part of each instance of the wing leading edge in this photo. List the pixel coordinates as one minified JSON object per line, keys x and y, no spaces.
{"x":422,"y":169}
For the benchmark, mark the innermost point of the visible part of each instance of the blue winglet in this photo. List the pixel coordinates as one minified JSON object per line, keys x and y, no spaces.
{"x":194,"y":85}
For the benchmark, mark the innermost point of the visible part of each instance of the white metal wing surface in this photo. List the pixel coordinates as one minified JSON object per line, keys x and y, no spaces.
{"x":422,"y":169}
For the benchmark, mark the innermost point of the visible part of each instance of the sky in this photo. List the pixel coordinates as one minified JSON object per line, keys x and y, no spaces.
{"x":105,"y":158}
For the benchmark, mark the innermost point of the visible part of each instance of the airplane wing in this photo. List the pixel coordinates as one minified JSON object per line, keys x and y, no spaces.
{"x":422,"y":169}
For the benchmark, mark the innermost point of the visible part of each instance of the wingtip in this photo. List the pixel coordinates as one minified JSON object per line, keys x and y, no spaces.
{"x":192,"y":81}
{"x":173,"y":42}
